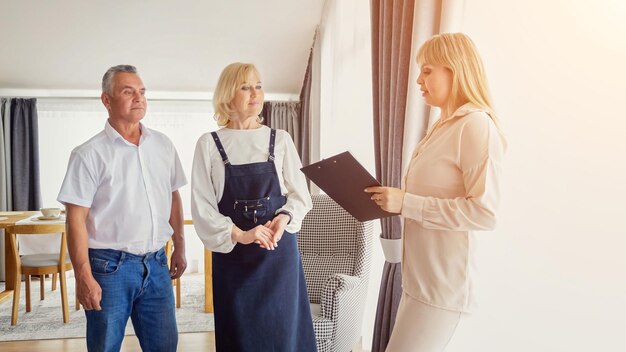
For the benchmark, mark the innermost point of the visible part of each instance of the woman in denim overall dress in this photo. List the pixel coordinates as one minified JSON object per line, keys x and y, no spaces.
{"x":248,"y":201}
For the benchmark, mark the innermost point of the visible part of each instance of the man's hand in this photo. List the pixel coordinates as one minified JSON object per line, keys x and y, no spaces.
{"x":178,"y":263}
{"x":88,"y":292}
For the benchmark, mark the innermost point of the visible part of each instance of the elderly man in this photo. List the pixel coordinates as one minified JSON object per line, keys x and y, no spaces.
{"x":122,"y":200}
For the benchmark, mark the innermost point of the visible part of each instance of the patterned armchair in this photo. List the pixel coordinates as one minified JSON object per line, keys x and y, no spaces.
{"x":336,"y":251}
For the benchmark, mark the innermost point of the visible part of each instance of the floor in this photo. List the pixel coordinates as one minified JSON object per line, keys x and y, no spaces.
{"x":190,"y":342}
{"x":202,"y":341}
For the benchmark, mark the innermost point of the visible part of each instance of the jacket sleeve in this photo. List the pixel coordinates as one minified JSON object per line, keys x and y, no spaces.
{"x":482,"y":150}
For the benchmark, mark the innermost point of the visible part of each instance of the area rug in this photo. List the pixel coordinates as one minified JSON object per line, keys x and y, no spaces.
{"x":45,"y":319}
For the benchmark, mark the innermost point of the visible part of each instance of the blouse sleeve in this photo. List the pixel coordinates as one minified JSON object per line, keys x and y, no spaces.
{"x":213,"y":228}
{"x":298,"y":197}
{"x":482,"y":150}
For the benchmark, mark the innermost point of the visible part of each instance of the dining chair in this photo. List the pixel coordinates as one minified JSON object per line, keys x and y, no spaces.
{"x":54,"y":287}
{"x":39,"y":264}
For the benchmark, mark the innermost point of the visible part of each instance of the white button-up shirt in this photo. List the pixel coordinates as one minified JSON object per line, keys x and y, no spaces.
{"x":452,"y":189}
{"x":127,"y":188}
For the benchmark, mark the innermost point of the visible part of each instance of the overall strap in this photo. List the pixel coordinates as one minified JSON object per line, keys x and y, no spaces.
{"x":272,"y":142}
{"x":220,"y":148}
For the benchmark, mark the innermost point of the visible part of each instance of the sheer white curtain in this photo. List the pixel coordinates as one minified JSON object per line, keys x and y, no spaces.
{"x":341,"y":87}
{"x":340,"y":103}
{"x":430,"y":17}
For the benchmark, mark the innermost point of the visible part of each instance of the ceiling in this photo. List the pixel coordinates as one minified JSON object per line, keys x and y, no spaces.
{"x":177,"y":46}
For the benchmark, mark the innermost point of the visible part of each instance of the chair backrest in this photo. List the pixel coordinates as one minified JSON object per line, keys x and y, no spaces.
{"x":331,"y":241}
{"x":38,"y":229}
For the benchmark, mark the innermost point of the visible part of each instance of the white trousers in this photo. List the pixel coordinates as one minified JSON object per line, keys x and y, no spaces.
{"x":420,"y":327}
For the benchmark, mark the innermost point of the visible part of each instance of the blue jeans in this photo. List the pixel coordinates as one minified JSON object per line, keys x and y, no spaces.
{"x":135,"y":286}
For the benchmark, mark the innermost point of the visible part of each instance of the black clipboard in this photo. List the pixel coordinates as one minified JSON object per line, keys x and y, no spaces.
{"x":343,"y":178}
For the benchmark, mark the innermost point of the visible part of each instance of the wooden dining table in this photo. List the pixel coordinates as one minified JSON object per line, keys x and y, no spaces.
{"x":10,"y":266}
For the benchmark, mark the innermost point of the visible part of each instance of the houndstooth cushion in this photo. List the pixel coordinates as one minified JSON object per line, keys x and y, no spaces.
{"x":335,"y":250}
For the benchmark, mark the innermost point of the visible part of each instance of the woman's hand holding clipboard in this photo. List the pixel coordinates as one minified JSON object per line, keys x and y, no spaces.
{"x":343,"y":178}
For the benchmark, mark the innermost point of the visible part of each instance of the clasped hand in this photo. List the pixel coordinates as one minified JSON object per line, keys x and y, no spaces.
{"x":268,"y":234}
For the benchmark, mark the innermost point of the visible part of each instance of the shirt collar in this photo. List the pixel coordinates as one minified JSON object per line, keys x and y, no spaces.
{"x":113,"y":135}
{"x":464,"y":110}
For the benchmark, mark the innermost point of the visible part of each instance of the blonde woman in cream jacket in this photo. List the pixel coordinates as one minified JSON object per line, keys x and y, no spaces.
{"x":450,"y":190}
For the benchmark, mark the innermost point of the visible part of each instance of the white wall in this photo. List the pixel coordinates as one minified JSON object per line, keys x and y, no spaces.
{"x":553,"y":271}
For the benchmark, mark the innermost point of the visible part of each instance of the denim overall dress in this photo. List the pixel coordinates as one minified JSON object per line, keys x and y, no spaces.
{"x":260,"y":298}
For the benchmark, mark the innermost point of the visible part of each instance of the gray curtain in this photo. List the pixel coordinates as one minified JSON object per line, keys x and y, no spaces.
{"x":284,"y":115}
{"x":392,"y":24}
{"x":25,"y":187}
{"x":305,"y":116}
{"x":294,"y":116}
{"x":266,"y":113}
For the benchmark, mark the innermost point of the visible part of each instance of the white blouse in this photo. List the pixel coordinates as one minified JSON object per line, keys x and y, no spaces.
{"x":242,"y":147}
{"x":452,"y":190}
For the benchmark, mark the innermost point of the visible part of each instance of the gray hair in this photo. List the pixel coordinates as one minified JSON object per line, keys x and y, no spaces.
{"x":107,"y":79}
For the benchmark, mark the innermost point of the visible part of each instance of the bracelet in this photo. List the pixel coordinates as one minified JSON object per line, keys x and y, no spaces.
{"x":286,"y":213}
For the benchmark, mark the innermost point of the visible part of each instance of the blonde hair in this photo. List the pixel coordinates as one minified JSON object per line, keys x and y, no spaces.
{"x":230,"y":79}
{"x":457,"y":52}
